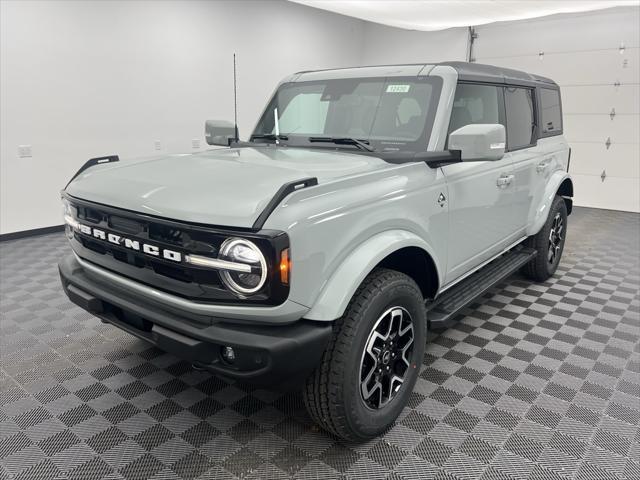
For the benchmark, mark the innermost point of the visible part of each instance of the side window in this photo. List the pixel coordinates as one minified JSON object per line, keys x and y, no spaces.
{"x":550,"y":112}
{"x":518,"y":104}
{"x":475,"y":104}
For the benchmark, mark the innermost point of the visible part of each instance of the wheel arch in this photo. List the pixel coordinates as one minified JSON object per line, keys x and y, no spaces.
{"x":559,"y":183}
{"x":398,"y":250}
{"x":417,"y":264}
{"x":565,"y":190}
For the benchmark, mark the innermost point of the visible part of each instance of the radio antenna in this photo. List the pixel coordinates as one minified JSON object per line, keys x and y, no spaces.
{"x":235,"y":99}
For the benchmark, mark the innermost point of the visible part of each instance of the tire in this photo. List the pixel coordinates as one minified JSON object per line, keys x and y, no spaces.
{"x":333,"y":394}
{"x":549,"y":242}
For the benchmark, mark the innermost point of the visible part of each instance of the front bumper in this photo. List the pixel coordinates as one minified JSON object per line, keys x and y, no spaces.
{"x":264,"y":353}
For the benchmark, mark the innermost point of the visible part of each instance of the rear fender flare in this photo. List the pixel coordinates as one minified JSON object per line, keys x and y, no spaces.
{"x":542,"y":210}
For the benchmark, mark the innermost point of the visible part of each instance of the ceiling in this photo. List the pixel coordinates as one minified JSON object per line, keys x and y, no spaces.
{"x":440,"y":14}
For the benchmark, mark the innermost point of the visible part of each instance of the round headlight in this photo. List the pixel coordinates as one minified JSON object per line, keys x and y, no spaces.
{"x":240,"y":250}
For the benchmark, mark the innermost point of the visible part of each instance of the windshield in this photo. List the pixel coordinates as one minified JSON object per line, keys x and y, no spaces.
{"x":389,"y":114}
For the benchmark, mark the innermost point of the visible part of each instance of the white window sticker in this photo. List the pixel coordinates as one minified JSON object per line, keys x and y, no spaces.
{"x":398,"y":88}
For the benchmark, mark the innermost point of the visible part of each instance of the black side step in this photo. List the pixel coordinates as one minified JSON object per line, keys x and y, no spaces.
{"x":442,"y":311}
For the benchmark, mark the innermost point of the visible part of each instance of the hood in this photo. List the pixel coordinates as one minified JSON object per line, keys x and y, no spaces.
{"x":226,"y":187}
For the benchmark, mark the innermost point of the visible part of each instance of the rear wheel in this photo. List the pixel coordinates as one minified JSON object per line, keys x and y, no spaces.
{"x":549,"y":242}
{"x":373,"y":358}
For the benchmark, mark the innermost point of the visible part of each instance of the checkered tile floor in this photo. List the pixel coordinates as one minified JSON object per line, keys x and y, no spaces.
{"x":536,"y":381}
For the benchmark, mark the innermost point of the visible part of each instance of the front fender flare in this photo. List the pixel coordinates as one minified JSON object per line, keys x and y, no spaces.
{"x":343,"y":283}
{"x":542,"y":210}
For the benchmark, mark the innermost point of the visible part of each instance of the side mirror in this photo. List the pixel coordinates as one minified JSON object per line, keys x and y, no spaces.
{"x":478,"y":142}
{"x":219,"y":132}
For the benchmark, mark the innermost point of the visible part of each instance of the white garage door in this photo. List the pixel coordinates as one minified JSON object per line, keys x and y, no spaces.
{"x":596,"y":61}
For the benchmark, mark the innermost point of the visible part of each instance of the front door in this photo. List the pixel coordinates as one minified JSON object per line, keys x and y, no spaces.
{"x":481,"y":194}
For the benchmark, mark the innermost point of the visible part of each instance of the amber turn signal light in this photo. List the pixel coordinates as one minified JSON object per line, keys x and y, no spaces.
{"x":285,"y":266}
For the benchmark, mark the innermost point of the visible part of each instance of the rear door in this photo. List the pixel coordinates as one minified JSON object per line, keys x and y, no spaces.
{"x":553,"y":149}
{"x":481,"y":194}
{"x":523,"y":152}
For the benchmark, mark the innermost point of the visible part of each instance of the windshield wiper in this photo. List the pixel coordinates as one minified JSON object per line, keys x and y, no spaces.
{"x":269,"y":136}
{"x":361,"y":144}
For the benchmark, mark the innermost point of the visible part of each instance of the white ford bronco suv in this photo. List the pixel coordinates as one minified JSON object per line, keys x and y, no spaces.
{"x":369,"y":206}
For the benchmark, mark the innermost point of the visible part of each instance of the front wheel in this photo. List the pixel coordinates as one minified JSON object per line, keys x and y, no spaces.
{"x":372,"y":360}
{"x":549,"y":242}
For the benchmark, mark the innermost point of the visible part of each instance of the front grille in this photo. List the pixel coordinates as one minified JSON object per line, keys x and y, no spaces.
{"x":125,"y":224}
{"x":177,"y":278}
{"x":163,"y":233}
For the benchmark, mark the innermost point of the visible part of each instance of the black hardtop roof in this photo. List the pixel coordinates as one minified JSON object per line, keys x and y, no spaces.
{"x":478,"y":72}
{"x":467,"y":71}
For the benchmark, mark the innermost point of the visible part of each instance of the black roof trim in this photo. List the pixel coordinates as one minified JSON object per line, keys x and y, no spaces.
{"x":419,"y":64}
{"x":478,"y":72}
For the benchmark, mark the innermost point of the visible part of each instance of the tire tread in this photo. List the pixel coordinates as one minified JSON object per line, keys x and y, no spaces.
{"x":322,"y":393}
{"x":537,"y":269}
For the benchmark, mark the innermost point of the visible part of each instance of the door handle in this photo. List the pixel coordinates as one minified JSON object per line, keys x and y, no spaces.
{"x":504,"y":180}
{"x":542,"y":166}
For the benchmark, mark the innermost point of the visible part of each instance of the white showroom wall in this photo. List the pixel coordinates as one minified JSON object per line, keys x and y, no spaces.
{"x":384,"y":45}
{"x":582,"y":52}
{"x":85,"y":79}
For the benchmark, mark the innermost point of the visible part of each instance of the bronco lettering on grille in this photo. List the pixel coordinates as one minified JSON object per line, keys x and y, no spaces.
{"x":130,"y":243}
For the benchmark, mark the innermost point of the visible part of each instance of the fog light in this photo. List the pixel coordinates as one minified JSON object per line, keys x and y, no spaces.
{"x":228,"y":354}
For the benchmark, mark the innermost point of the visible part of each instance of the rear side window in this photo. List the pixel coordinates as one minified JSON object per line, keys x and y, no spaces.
{"x":550,"y":112}
{"x":475,"y":104}
{"x":518,"y":104}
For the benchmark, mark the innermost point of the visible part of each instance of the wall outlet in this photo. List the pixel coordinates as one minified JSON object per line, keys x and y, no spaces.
{"x":158,"y":145}
{"x":195,"y":143}
{"x":24,"y":151}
